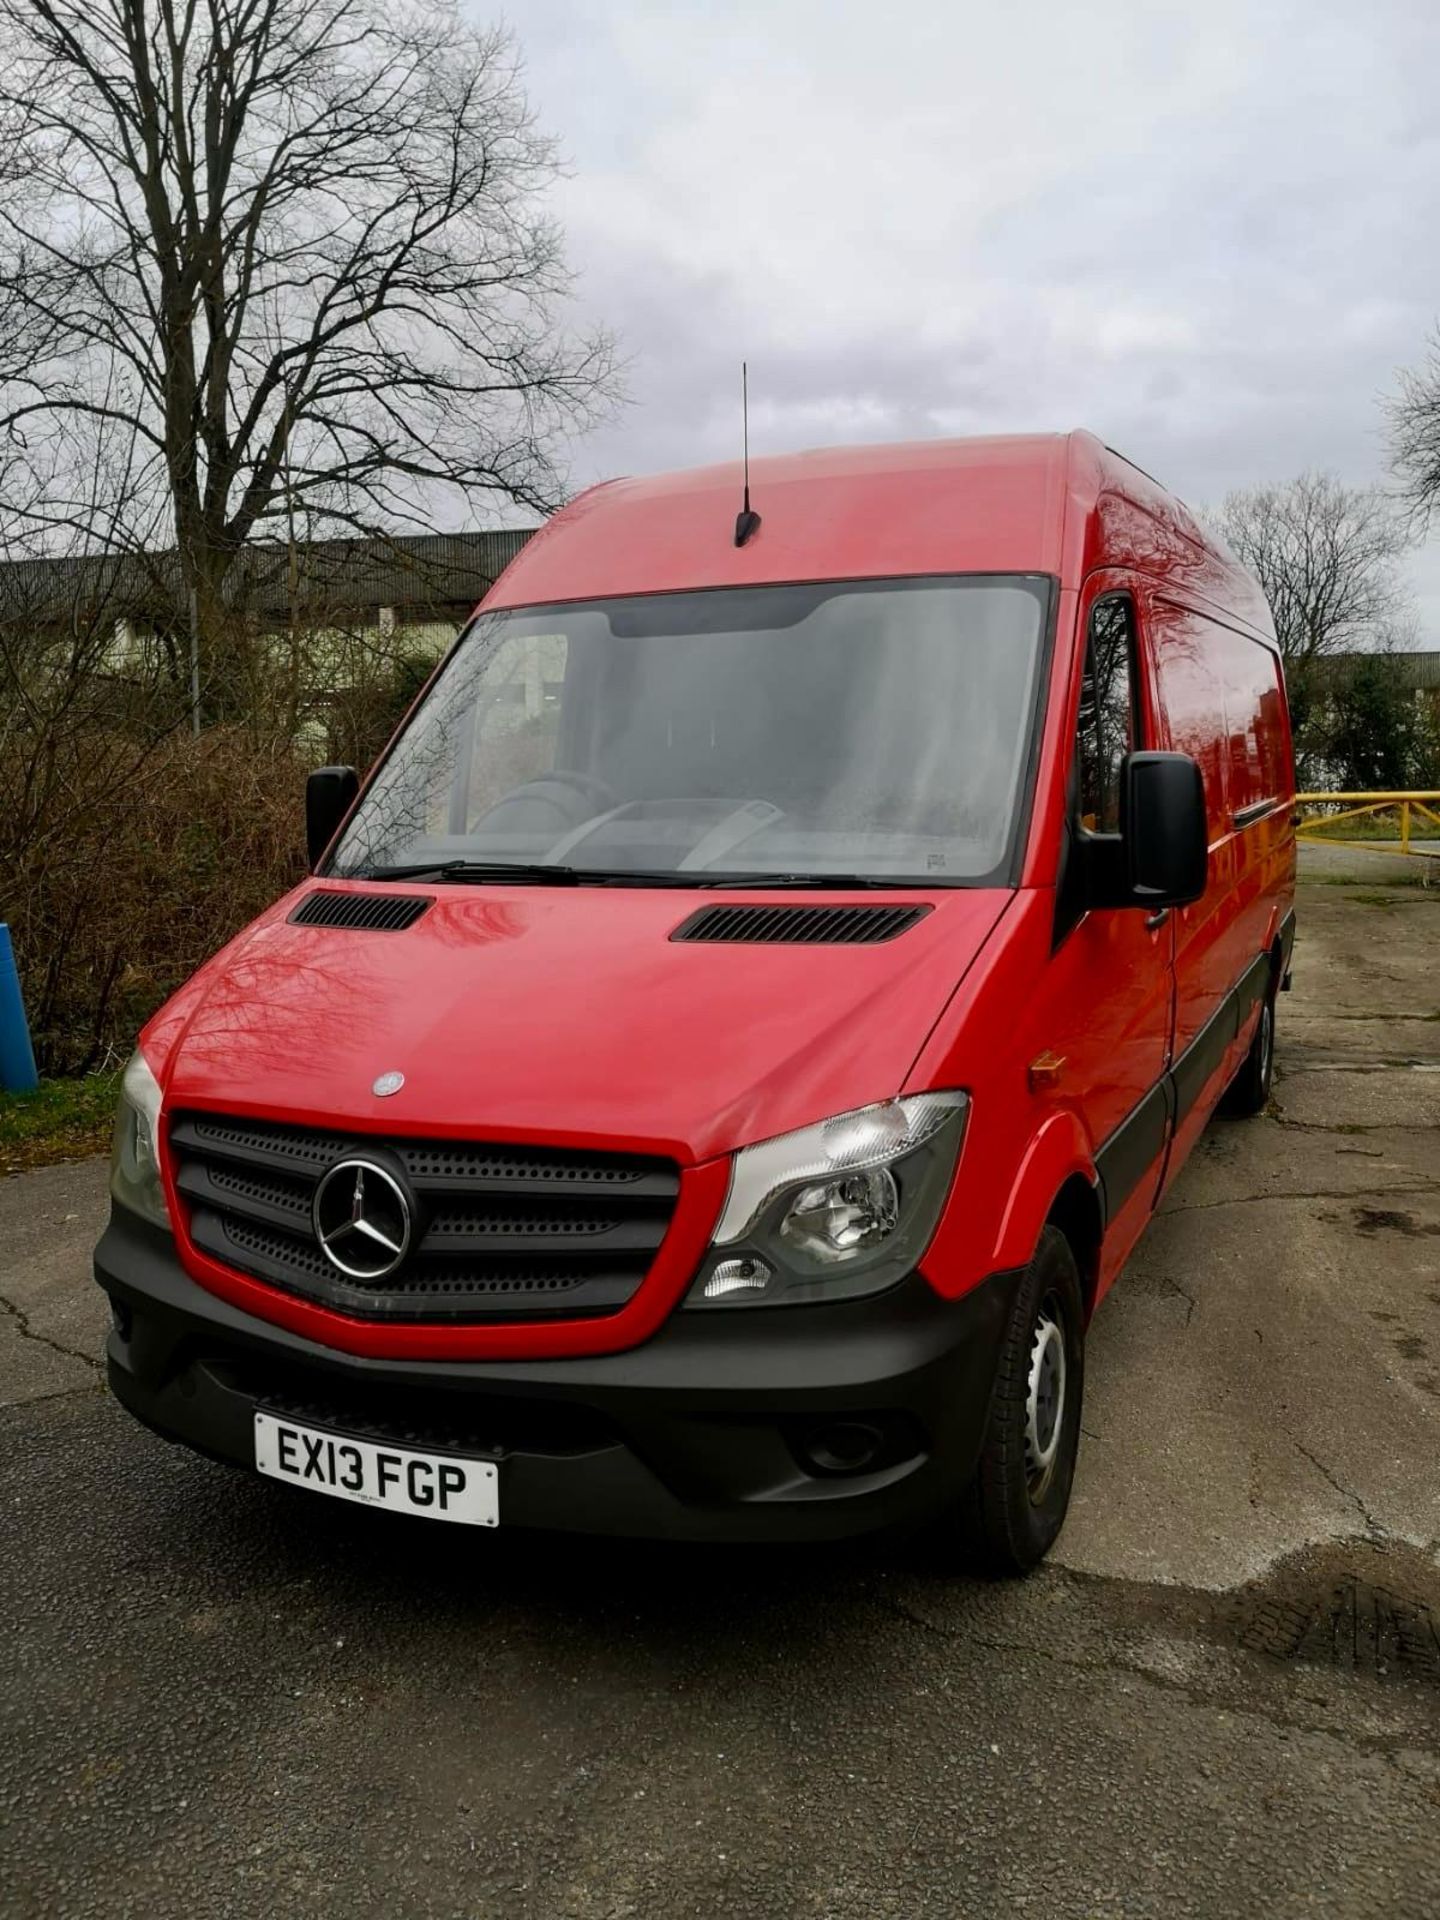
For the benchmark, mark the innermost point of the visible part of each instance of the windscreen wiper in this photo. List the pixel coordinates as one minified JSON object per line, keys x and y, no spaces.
{"x":539,"y":873}
{"x":536,"y":873}
{"x":840,"y":882}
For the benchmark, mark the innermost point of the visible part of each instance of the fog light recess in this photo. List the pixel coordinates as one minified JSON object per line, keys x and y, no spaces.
{"x":845,"y":1446}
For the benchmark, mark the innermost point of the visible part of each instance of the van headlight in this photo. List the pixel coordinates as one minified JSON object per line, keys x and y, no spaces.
{"x":838,"y":1209}
{"x":135,"y":1156}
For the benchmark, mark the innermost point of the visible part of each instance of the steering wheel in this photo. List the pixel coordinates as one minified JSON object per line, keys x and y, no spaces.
{"x":556,"y":797}
{"x":589,"y":786}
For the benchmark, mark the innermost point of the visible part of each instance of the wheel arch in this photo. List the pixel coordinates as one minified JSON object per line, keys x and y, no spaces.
{"x":1056,"y":1185}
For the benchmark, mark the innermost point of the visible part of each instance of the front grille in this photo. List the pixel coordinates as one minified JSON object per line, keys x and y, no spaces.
{"x":499,"y":1233}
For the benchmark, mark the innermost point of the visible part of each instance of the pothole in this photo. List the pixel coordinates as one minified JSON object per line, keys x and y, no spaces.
{"x":1370,"y":1612}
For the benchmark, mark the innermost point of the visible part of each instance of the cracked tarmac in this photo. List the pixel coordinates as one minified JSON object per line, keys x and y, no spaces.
{"x":1222,"y":1697}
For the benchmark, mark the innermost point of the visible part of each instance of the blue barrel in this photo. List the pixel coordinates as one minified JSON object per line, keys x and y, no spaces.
{"x":17,"y":1056}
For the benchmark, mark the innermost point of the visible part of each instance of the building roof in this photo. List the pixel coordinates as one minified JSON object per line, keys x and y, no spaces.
{"x":438,"y":573}
{"x":1420,"y":670}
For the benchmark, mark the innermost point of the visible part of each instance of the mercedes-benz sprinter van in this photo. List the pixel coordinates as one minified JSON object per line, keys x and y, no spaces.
{"x":732,"y":1040}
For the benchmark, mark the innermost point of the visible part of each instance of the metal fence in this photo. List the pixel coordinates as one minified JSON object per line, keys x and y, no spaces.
{"x":1320,"y":814}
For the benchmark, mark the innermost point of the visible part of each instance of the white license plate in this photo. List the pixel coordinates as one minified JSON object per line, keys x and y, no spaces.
{"x":437,"y":1486}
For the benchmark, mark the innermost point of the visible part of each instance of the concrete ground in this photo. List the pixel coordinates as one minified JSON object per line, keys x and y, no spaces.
{"x":1221,"y":1697}
{"x":1373,"y":862}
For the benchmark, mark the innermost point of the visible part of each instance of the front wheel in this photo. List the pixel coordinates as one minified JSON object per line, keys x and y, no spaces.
{"x":1015,"y":1505}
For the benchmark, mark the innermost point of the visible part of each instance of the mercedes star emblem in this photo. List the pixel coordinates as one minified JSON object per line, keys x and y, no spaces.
{"x":388,"y":1083}
{"x":362,"y":1219}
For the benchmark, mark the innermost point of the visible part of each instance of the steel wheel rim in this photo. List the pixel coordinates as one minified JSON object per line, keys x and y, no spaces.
{"x":1045,"y":1389}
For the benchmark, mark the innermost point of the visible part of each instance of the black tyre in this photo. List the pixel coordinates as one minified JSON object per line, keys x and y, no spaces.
{"x":1249,"y":1092}
{"x":1015,"y":1505}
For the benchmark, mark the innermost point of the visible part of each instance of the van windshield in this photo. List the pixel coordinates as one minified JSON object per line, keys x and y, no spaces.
{"x":878,"y":730}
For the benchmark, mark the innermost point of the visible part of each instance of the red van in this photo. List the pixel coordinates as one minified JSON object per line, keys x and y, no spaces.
{"x":737,"y":1033}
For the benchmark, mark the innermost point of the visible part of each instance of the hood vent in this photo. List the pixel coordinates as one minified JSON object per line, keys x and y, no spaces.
{"x":799,"y":926}
{"x":364,"y":912}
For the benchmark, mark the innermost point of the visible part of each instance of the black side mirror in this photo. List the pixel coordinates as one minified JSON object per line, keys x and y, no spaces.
{"x":329,"y":795}
{"x":1163,"y":829}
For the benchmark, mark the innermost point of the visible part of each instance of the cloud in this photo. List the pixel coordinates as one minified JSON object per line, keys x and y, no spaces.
{"x":1204,"y":232}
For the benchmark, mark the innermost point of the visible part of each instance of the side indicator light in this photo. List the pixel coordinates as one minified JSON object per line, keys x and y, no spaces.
{"x":1044,"y":1072}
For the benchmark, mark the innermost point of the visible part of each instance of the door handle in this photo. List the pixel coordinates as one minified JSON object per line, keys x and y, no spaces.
{"x":1154,"y":921}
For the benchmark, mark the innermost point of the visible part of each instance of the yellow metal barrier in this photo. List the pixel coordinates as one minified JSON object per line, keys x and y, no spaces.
{"x":1421,"y":804}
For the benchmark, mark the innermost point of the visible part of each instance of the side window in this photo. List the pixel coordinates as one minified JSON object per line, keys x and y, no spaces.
{"x":1109,"y":713}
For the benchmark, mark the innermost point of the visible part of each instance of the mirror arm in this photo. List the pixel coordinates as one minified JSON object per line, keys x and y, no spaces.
{"x":330,"y":793}
{"x":1106,"y":869}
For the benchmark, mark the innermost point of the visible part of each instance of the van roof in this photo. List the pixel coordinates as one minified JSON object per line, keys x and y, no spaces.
{"x":1059,"y":504}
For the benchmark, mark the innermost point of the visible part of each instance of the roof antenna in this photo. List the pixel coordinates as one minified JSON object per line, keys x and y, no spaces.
{"x":745,"y":521}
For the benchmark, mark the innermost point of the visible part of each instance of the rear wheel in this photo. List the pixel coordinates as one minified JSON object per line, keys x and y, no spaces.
{"x":1015,"y":1505}
{"x":1249,"y":1092}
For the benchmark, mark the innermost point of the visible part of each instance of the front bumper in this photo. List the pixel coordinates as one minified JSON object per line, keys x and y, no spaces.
{"x":713,"y":1430}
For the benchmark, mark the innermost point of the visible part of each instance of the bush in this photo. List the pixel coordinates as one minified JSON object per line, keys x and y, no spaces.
{"x":130,"y":849}
{"x":357,"y":725}
{"x":146,"y":857}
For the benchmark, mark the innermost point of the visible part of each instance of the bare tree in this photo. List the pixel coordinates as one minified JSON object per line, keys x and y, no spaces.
{"x":290,"y":258}
{"x":1326,"y":556}
{"x":1414,"y":414}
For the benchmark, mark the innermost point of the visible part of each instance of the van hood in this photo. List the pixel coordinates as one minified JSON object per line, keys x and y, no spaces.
{"x":563,"y":1015}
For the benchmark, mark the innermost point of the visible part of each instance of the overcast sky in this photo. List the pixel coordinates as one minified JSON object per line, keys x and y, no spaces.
{"x":1210,"y":233}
